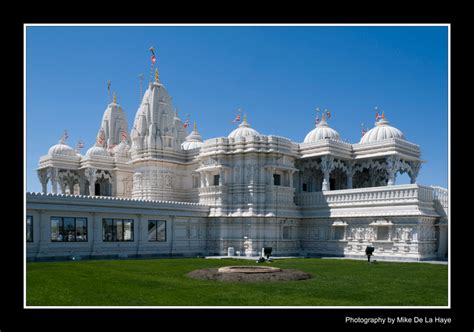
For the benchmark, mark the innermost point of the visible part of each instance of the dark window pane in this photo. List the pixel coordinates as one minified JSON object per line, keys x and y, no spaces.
{"x":81,"y":229}
{"x":152,"y":230}
{"x":339,"y":233}
{"x":216,"y":180}
{"x":107,"y":226}
{"x":56,"y":234}
{"x":161,"y":230}
{"x":276,"y":179}
{"x":69,"y":233}
{"x":29,"y":228}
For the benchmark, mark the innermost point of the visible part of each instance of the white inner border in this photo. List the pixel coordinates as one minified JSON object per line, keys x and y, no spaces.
{"x":25,"y":26}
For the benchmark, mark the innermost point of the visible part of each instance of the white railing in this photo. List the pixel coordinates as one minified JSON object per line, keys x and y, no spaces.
{"x":440,"y":194}
{"x":365,"y":195}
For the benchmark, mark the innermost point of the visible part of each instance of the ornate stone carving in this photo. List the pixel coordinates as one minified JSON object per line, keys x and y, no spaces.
{"x":43,"y":177}
{"x":53,"y":175}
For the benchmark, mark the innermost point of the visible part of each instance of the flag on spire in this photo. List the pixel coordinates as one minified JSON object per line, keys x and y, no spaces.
{"x":317,"y":115}
{"x":80,"y":144}
{"x":377,"y":115}
{"x":237,"y":118}
{"x":65,"y":135}
{"x":153,"y":56}
{"x":186,"y":123}
{"x":328,"y":114}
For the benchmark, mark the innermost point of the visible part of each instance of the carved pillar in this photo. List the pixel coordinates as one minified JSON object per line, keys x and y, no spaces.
{"x":392,"y":164}
{"x":53,"y":175}
{"x":350,"y":173}
{"x":91,"y":175}
{"x":202,"y":178}
{"x":43,"y":178}
{"x":290,"y":175}
{"x":414,"y":170}
{"x":82,"y":185}
{"x":327,"y":165}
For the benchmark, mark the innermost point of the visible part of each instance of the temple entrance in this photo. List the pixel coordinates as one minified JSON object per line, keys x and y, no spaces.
{"x":332,"y":184}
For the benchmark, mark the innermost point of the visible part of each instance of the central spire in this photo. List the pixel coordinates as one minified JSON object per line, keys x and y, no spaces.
{"x":157,"y":76}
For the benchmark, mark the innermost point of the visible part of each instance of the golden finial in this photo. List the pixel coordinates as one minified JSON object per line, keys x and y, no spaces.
{"x":322,"y":118}
{"x":157,"y":76}
{"x":194,"y":128}
{"x":115,"y":98}
{"x":245,"y":117}
{"x":383,"y":115}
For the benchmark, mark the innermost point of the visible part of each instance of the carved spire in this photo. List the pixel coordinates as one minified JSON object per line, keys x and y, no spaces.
{"x":115,"y":98}
{"x":157,"y":76}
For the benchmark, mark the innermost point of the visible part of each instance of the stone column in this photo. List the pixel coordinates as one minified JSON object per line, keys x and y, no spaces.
{"x":91,"y":175}
{"x":327,"y":165}
{"x":392,"y":166}
{"x":53,"y":175}
{"x":62,"y":185}
{"x":202,"y":178}
{"x":415,"y":169}
{"x":82,"y":185}
{"x":350,"y":173}
{"x":290,"y":175}
{"x":43,"y":178}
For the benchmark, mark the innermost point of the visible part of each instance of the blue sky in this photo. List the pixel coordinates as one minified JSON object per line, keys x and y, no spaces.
{"x":277,"y":75}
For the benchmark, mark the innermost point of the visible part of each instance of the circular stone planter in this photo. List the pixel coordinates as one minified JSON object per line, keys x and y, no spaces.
{"x":249,"y":274}
{"x":248,"y":269}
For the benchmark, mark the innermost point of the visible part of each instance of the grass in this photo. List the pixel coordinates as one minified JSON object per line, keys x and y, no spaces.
{"x":163,"y":282}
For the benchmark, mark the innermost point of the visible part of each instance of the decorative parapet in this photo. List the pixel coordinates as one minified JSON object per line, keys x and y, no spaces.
{"x":373,"y":195}
{"x":441,"y":194}
{"x":63,"y":198}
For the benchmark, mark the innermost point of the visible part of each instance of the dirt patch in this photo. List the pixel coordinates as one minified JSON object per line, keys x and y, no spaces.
{"x":282,"y":275}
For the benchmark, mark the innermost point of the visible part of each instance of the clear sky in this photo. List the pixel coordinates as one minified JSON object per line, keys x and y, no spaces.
{"x":277,"y":75}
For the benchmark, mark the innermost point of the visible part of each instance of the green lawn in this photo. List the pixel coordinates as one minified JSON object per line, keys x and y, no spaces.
{"x":163,"y":282}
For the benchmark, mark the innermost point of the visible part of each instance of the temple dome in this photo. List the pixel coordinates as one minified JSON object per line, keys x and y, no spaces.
{"x":322,"y":131}
{"x":243,"y":130}
{"x":381,"y":131}
{"x":97,"y":151}
{"x":193,"y":140}
{"x":62,"y":149}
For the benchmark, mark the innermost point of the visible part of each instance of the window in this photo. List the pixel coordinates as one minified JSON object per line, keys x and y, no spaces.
{"x":29,"y":229}
{"x":216,"y":180}
{"x":276,"y":179}
{"x":97,"y":189}
{"x":305,"y":187}
{"x":68,"y":229}
{"x":339,"y":232}
{"x":382,"y":233}
{"x":195,"y":181}
{"x":117,"y":230}
{"x":286,"y":230}
{"x":332,"y":184}
{"x":157,"y":230}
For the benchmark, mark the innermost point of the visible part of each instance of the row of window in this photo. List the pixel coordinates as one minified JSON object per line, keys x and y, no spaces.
{"x":69,"y":229}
